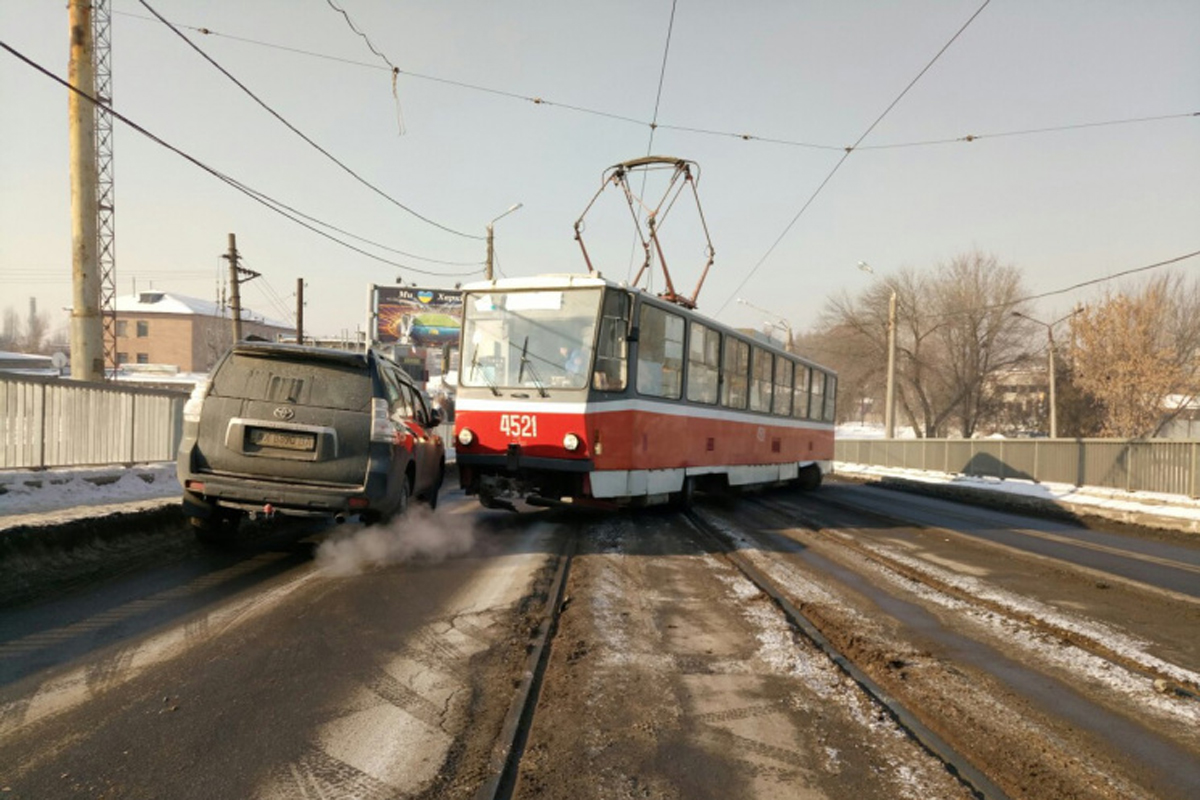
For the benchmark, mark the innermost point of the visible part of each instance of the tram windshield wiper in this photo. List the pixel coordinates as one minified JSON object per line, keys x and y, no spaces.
{"x":486,"y":379}
{"x":525,"y":362}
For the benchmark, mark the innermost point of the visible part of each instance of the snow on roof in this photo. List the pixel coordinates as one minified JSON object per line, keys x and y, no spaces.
{"x":155,"y":301}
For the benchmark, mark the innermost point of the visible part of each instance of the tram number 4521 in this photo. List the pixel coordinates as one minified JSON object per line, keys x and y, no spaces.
{"x":518,"y":426}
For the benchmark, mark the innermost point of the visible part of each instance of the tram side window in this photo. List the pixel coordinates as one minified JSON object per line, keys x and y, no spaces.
{"x":818,"y":394}
{"x":800,"y":392}
{"x":761,"y":369}
{"x":611,"y":347}
{"x":783,"y":386}
{"x":660,"y":353}
{"x":704,"y":364}
{"x":734,"y":369}
{"x":830,"y":399}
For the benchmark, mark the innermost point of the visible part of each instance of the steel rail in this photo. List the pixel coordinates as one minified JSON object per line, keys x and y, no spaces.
{"x":956,"y":763}
{"x":1076,"y":637}
{"x":506,"y":755}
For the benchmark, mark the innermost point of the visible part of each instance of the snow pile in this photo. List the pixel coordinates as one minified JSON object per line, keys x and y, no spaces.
{"x":42,"y":491}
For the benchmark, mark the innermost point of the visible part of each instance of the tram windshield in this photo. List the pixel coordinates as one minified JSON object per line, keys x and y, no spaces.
{"x":533,"y":339}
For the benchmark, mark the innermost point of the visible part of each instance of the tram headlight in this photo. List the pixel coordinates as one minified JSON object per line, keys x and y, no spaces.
{"x":466,"y":437}
{"x":571,"y":442}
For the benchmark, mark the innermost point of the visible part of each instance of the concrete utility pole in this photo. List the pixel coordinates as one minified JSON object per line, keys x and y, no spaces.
{"x":299,"y":310}
{"x":235,"y":281}
{"x":1049,"y":326}
{"x":87,"y":329}
{"x":235,"y":294}
{"x":491,"y":251}
{"x":889,"y":410}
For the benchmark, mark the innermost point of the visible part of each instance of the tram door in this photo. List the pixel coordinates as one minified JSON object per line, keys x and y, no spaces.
{"x":612,"y":343}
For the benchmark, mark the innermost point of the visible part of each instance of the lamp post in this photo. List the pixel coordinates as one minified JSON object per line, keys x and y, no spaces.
{"x":490,"y":250}
{"x":778,"y":322}
{"x":889,"y":406}
{"x":1049,"y":326}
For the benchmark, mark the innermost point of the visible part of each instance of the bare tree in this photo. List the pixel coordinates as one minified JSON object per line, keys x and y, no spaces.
{"x":1126,"y":358}
{"x":954,"y":333}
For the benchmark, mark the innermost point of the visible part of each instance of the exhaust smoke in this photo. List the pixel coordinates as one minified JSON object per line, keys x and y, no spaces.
{"x":418,"y":535}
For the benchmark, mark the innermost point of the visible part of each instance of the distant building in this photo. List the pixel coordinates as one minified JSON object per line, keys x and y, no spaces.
{"x":27,"y":364}
{"x":156,"y":327}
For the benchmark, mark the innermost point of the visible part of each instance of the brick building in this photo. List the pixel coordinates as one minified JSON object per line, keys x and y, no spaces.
{"x":156,"y":327}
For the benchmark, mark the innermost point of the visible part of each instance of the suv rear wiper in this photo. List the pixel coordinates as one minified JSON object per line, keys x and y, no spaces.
{"x":486,"y":379}
{"x":525,"y":362}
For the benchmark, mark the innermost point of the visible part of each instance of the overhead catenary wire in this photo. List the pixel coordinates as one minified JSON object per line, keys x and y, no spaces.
{"x":302,"y":135}
{"x":662,"y":75}
{"x":257,"y":196}
{"x":395,"y":70}
{"x":850,"y":150}
{"x":742,"y":136}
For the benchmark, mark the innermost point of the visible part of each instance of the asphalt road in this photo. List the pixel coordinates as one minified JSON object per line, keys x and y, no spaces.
{"x":268,"y":672}
{"x":368,"y":663}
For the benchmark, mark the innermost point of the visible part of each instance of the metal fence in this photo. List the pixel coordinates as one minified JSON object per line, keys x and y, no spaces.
{"x":1159,"y":465}
{"x":46,"y":422}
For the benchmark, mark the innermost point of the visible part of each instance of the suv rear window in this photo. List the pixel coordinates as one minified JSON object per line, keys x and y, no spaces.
{"x":306,"y":381}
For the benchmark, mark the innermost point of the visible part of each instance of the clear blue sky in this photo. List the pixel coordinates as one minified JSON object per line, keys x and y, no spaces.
{"x":1064,"y":206}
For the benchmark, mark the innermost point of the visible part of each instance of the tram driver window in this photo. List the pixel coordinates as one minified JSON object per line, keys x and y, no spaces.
{"x":660,"y":353}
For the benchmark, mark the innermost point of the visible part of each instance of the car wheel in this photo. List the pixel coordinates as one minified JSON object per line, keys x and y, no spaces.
{"x":432,"y":499}
{"x":810,"y":478}
{"x":402,"y":500}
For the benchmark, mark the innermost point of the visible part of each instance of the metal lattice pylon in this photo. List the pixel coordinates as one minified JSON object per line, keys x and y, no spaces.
{"x":105,"y":205}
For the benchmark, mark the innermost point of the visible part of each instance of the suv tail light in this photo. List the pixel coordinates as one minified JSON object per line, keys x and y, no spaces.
{"x":195,"y":402}
{"x":382,"y":429}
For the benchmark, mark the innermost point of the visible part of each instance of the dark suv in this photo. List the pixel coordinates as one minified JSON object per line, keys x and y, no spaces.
{"x":287,"y":429}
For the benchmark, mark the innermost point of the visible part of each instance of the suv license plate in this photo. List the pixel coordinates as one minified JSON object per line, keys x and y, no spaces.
{"x":282,"y":440}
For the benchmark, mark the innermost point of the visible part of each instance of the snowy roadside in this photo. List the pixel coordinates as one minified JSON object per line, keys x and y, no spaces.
{"x":57,"y":496}
{"x":52,"y":497}
{"x":1173,"y":512}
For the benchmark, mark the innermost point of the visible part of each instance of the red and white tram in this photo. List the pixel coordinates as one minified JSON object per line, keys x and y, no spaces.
{"x":577,"y":389}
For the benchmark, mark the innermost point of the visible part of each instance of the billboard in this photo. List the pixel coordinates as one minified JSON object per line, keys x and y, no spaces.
{"x":420,"y":317}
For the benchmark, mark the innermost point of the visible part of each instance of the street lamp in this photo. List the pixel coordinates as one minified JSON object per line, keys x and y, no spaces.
{"x":1049,"y":326}
{"x":490,"y":250}
{"x":779,"y":322}
{"x":889,"y":406}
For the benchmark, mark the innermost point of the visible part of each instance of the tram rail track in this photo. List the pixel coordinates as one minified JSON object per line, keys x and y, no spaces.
{"x":505,"y":761}
{"x":1169,"y":678}
{"x":955,"y":762}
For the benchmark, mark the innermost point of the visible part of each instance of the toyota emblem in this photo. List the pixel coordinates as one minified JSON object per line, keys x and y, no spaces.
{"x":283,"y":412}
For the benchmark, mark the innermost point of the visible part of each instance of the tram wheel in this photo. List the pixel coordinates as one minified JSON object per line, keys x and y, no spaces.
{"x":686,"y":496}
{"x":810,"y":478}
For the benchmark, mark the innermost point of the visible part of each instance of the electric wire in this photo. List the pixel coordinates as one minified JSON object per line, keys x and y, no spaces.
{"x":1083,"y":284}
{"x":846,"y":155}
{"x":743,"y":136}
{"x":301,"y":134}
{"x":260,"y":197}
{"x":662,"y":74}
{"x":395,"y":70}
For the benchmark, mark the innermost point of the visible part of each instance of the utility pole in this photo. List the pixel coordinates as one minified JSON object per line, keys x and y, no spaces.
{"x":491,"y":251}
{"x":235,"y":281}
{"x":87,"y":330}
{"x":889,"y":410}
{"x":487,"y":272}
{"x":299,"y":310}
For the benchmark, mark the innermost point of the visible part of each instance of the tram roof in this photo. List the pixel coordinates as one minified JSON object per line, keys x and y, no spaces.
{"x":565,"y":280}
